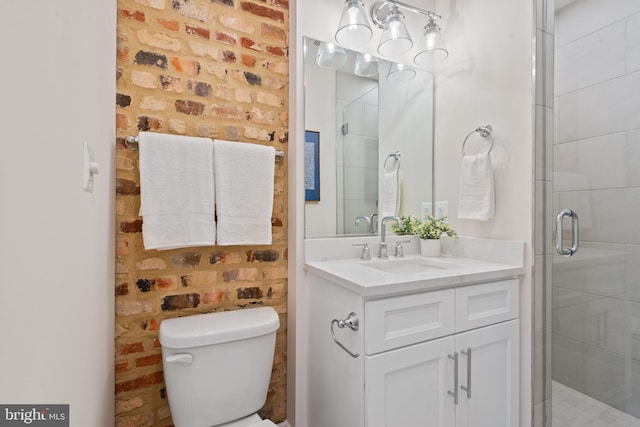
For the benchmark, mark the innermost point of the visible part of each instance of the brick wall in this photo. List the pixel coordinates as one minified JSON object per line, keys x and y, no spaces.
{"x":211,"y":68}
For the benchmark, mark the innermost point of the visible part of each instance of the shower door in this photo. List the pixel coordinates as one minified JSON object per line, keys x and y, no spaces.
{"x":596,"y":173}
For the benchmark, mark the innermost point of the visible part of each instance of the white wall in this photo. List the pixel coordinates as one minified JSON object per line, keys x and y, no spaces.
{"x":487,"y":79}
{"x":56,"y":241}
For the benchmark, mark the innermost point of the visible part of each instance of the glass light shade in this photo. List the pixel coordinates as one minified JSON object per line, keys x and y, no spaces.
{"x":354,"y":29}
{"x":400,"y":73}
{"x":331,"y":56}
{"x":395,"y":38}
{"x":434,"y":48}
{"x":366,"y":65}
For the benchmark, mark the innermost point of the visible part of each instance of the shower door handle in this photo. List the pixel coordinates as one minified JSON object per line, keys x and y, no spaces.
{"x":574,"y":232}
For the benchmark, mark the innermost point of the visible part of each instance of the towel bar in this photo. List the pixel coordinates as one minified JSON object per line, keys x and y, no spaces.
{"x":131,"y":142}
{"x":484,"y":131}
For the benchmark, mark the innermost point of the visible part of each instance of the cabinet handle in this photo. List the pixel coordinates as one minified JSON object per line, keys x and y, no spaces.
{"x":467,"y":388}
{"x":352,"y":322}
{"x":455,"y":377}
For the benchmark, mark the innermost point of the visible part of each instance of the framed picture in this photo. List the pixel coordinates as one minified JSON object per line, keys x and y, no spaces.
{"x":312,"y":166}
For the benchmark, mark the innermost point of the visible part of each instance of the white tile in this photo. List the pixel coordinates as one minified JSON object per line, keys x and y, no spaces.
{"x":360,"y":151}
{"x":602,"y":160}
{"x":566,"y":175}
{"x":592,"y":59}
{"x":371,"y":120}
{"x":586,"y":16}
{"x":633,"y":158}
{"x":633,"y":43}
{"x":609,"y":107}
{"x":567,"y":117}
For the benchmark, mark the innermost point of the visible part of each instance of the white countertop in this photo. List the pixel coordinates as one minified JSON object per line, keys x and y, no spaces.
{"x":386,"y":277}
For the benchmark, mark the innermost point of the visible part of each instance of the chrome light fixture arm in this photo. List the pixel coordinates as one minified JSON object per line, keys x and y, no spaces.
{"x":380,"y":10}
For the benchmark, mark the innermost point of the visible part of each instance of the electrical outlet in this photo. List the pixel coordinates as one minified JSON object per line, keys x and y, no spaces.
{"x":426,"y":209}
{"x":442,"y":209}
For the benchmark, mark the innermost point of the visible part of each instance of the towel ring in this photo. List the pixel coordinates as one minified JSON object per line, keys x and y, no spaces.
{"x":395,"y":156}
{"x":484,"y":132}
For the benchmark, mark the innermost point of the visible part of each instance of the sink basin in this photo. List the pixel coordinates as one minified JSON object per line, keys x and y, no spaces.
{"x":411,"y":265}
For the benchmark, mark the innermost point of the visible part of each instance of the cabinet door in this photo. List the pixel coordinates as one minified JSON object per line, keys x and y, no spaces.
{"x":494,"y":376}
{"x":408,"y":386}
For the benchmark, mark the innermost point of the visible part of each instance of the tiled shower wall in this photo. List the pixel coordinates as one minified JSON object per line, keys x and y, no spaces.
{"x":211,"y":68}
{"x":596,"y":298}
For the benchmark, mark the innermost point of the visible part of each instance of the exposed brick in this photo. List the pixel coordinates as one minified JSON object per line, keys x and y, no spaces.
{"x":192,"y":10}
{"x":177,"y":126}
{"x":151,"y":325}
{"x":225,"y":2}
{"x":265,"y":12}
{"x":279,"y":3}
{"x":231,"y":112}
{"x":123,"y":100}
{"x":220,"y":257}
{"x":203,"y":33}
{"x":277,"y":291}
{"x":159,"y":40}
{"x":277,"y":67}
{"x":276,"y":222}
{"x":225,"y":38}
{"x":169,"y":24}
{"x":122,"y":35}
{"x":206,"y":130}
{"x":272,"y":32}
{"x":122,"y":122}
{"x":237,"y":23}
{"x":129,"y":348}
{"x":274,"y":83}
{"x":124,"y":164}
{"x":122,"y":289}
{"x":229,"y":275}
{"x":276,"y":50}
{"x":119,"y":72}
{"x":151,"y":59}
{"x":121,"y":268}
{"x":122,"y":248}
{"x":248,"y":60}
{"x":258,"y":115}
{"x":140,"y":382}
{"x":268,"y":255}
{"x":200,"y":278}
{"x":250,"y":44}
{"x":269,"y":99}
{"x":253,"y":79}
{"x":191,"y":108}
{"x":156,"y":4}
{"x":217,"y":71}
{"x":143,"y":420}
{"x":128,"y":405}
{"x":151,"y":264}
{"x":128,"y":308}
{"x":171,"y":84}
{"x":126,"y":187}
{"x":186,"y":66}
{"x":249,"y":293}
{"x":229,"y":56}
{"x":133,"y":15}
{"x":178,"y":302}
{"x":143,"y":79}
{"x":232,"y":133}
{"x":152,"y":103}
{"x":284,"y":138}
{"x":200,"y":88}
{"x":122,"y":53}
{"x":223,"y":92}
{"x":186,"y":259}
{"x":275,"y":273}
{"x":255,"y":133}
{"x":146,"y":123}
{"x":215,"y":297}
{"x":163,"y":413}
{"x":243,"y":95}
{"x":153,"y":359}
{"x":162,"y":283}
{"x":205,"y":50}
{"x":131,"y":226}
{"x":121,"y":367}
{"x":248,"y":274}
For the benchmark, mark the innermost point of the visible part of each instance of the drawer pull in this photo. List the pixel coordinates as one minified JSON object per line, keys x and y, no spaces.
{"x":352,"y":322}
{"x":454,"y":393}
{"x":467,"y":388}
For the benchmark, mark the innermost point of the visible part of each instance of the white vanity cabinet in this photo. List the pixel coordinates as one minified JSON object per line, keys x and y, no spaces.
{"x":417,"y":354}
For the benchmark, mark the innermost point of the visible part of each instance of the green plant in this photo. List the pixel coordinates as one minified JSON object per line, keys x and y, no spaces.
{"x":431,"y":228}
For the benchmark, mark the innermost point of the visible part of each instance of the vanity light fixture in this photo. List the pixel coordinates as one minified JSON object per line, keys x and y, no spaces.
{"x":395,"y":38}
{"x":400,"y":73}
{"x":331,"y":55}
{"x":353,"y":29}
{"x":366,"y":65}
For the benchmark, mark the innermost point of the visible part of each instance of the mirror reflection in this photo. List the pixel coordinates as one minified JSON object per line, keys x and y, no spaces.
{"x":370,"y":149}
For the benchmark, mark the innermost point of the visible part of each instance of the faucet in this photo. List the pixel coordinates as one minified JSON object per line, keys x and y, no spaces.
{"x":364,"y":218}
{"x":374,"y":222}
{"x":382,"y":249}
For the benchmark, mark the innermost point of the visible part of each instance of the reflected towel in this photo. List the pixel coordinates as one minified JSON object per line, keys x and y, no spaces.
{"x":390,"y":193}
{"x":244,"y":192}
{"x":176,"y":191}
{"x":476,"y":199}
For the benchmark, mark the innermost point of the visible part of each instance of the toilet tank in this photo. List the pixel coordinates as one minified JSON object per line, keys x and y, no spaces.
{"x":217,"y":366}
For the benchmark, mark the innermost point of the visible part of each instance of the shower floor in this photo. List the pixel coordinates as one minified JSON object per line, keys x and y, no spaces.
{"x":574,"y":409}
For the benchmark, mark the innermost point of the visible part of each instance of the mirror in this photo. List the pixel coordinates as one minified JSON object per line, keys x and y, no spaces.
{"x":369,"y":145}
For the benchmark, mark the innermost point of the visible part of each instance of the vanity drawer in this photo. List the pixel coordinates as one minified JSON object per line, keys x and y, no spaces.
{"x":486,"y":304}
{"x":400,"y":321}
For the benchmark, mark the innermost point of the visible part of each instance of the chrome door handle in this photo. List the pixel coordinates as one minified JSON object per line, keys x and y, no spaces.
{"x":467,"y":388}
{"x":454,"y":393}
{"x":574,"y":232}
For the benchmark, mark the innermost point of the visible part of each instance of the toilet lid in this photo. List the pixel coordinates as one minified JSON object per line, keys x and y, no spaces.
{"x":264,"y":423}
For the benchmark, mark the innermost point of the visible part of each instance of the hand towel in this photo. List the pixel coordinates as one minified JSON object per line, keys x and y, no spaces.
{"x":476,"y":188}
{"x":176,"y":191}
{"x":244,"y":181}
{"x":390,"y":193}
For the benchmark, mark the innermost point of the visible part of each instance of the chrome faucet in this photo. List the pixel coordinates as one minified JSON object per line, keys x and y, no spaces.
{"x":366,"y":219}
{"x":382,"y":249}
{"x":374,"y":223}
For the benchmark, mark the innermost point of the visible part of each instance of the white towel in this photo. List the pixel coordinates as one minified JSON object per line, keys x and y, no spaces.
{"x":176,"y":191}
{"x":390,"y":193}
{"x":476,"y":188}
{"x":244,"y":192}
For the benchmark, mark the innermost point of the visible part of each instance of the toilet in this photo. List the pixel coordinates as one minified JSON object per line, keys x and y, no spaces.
{"x":217,"y":366}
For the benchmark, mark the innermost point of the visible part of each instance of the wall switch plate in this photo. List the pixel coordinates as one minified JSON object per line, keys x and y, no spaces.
{"x":442,"y":209}
{"x":425,"y":210}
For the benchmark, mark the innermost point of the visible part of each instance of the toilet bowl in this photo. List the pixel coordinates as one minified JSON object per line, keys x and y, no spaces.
{"x":217,"y":366}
